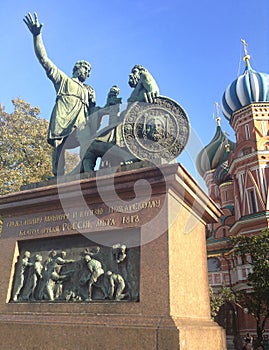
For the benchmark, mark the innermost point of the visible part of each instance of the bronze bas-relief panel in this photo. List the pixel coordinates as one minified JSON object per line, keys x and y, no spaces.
{"x":78,"y":268}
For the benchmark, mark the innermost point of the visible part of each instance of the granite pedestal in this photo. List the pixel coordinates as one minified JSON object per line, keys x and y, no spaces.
{"x":160,"y":215}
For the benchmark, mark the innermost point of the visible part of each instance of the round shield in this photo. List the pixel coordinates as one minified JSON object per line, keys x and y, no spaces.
{"x":158,"y":130}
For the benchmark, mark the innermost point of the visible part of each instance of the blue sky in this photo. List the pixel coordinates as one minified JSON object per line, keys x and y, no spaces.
{"x":192,"y":48}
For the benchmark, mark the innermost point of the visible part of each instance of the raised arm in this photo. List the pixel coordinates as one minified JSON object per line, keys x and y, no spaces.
{"x":35,"y":28}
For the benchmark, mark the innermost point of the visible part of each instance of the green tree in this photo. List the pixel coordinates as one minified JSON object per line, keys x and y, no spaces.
{"x":255,"y":300}
{"x":25,"y":155}
{"x":218,"y":298}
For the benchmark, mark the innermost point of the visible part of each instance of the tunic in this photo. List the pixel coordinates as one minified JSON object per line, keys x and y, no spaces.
{"x":73,"y":102}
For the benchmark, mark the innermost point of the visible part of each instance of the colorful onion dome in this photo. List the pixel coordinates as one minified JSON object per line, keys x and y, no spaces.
{"x":221,"y":174}
{"x":250,"y":87}
{"x":215,"y":153}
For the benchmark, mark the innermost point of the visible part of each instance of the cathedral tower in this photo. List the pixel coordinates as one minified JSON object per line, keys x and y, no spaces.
{"x":245,"y":104}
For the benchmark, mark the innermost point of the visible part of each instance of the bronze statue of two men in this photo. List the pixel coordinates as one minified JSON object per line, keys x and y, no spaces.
{"x":75,"y":105}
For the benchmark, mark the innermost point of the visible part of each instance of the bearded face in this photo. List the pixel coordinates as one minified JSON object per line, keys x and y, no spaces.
{"x":134,"y":77}
{"x":155,"y":130}
{"x":81,"y":71}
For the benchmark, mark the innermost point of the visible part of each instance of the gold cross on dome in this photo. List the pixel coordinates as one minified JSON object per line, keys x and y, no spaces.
{"x":245,"y":46}
{"x":217,"y":108}
{"x":217,"y":113}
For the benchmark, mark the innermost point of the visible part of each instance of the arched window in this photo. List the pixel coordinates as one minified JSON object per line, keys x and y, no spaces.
{"x":213,"y":264}
{"x":266,"y":146}
{"x":247,"y":132}
{"x":252,"y":201}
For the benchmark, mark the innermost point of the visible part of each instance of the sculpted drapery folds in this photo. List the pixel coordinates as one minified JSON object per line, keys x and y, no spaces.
{"x":74,"y":99}
{"x":150,"y":124}
{"x":145,"y":90}
{"x":91,"y":274}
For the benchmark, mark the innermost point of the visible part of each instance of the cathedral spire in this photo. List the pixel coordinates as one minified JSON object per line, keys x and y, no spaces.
{"x":217,"y":113}
{"x":246,"y":55}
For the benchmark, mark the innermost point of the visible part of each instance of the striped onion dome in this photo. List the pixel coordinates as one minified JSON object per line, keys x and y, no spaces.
{"x":221,"y":174}
{"x":250,"y":87}
{"x":215,"y":153}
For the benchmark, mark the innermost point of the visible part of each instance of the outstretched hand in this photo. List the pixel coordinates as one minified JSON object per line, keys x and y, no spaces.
{"x":33,"y":23}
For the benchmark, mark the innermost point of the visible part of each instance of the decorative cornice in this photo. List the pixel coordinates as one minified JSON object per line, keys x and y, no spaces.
{"x":246,"y":111}
{"x":244,"y":221}
{"x":226,"y":184}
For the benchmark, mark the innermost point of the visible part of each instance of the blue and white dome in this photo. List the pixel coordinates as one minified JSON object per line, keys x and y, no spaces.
{"x":250,"y":87}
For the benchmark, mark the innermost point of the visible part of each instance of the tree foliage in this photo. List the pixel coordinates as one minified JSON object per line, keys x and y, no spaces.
{"x":255,"y":300}
{"x":25,"y":155}
{"x":219,"y":297}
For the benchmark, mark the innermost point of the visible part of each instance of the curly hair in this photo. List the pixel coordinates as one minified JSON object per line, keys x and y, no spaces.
{"x":140,"y":68}
{"x":80,"y":63}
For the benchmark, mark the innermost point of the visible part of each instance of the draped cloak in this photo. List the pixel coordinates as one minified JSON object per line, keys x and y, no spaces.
{"x":72,"y":106}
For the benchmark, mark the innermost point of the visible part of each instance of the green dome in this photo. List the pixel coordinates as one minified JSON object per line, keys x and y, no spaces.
{"x":221,"y":174}
{"x":215,"y":153}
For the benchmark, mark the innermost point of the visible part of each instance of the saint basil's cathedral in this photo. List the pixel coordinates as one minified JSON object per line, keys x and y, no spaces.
{"x":237,"y":175}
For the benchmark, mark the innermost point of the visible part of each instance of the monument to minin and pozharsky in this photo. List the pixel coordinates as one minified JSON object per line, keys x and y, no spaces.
{"x":114,"y":258}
